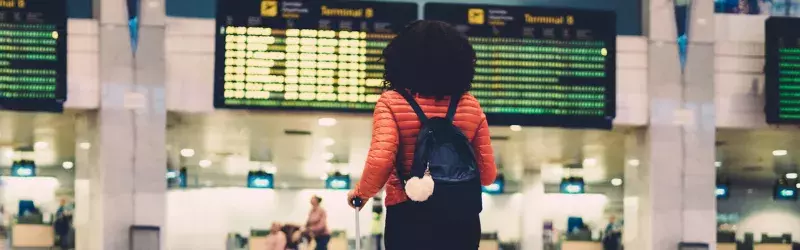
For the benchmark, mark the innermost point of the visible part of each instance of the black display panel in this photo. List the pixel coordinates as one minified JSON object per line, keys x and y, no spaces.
{"x":782,"y":70}
{"x":33,"y":55}
{"x":540,"y":66}
{"x":301,"y":55}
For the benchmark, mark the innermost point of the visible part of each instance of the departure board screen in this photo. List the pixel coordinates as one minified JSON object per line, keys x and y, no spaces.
{"x":33,"y":55}
{"x":782,"y":71}
{"x":540,"y":66}
{"x":304,"y":55}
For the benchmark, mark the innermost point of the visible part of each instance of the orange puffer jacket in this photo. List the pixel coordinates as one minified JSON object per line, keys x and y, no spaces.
{"x":393,"y":112}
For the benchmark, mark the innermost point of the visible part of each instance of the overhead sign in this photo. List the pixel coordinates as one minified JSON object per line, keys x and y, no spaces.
{"x":33,"y":55}
{"x":782,"y":70}
{"x":303,"y":55}
{"x":540,"y":66}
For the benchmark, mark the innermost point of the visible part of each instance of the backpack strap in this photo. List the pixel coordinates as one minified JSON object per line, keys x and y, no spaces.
{"x":398,"y":160}
{"x":451,"y":110}
{"x":414,"y":105}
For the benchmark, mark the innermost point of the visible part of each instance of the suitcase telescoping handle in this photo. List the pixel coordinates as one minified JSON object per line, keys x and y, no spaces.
{"x":357,"y":203}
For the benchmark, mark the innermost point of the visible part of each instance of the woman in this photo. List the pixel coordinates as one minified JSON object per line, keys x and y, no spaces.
{"x":318,"y":224}
{"x":276,"y":240}
{"x":432,"y":61}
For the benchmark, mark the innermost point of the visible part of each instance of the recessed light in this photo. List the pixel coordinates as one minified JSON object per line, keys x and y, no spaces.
{"x":67,"y":165}
{"x":633,"y":162}
{"x":9,"y":153}
{"x":589,"y":162}
{"x":328,"y":141}
{"x":616,"y":182}
{"x":187,"y":152}
{"x":791,"y":176}
{"x":779,"y":152}
{"x":85,"y":145}
{"x":40,"y":145}
{"x":515,"y":128}
{"x":797,"y":185}
{"x":718,"y":164}
{"x":326,"y":121}
{"x":328,"y":156}
{"x":204,"y":163}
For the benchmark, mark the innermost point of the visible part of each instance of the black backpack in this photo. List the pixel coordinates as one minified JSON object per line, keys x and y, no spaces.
{"x":444,"y":151}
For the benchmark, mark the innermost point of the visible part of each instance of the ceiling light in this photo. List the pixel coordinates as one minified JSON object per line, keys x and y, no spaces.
{"x":9,"y":153}
{"x":779,"y":152}
{"x":67,"y":165}
{"x":797,"y":185}
{"x":85,"y":145}
{"x":718,"y":164}
{"x":616,"y":182}
{"x":187,"y":152}
{"x":633,"y":162}
{"x":791,"y":176}
{"x":40,"y":145}
{"x":204,"y":163}
{"x":328,"y":156}
{"x":589,"y":162}
{"x":515,"y":128}
{"x":327,"y":121}
{"x":328,"y":141}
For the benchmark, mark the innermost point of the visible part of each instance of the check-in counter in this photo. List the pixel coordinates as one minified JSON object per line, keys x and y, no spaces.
{"x":489,"y":242}
{"x":726,"y":246}
{"x":258,"y":239}
{"x":772,"y":246}
{"x":581,"y":245}
{"x":32,"y":235}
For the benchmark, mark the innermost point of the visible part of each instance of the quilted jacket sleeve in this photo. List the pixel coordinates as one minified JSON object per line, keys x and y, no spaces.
{"x":482,"y":144}
{"x":382,"y":152}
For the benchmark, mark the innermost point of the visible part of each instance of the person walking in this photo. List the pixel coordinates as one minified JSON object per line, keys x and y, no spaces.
{"x":430,"y":147}
{"x":318,"y":224}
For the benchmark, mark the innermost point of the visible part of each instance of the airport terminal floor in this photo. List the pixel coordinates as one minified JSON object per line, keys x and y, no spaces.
{"x":232,"y":125}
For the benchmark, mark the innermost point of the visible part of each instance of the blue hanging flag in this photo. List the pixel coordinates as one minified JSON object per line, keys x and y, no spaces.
{"x":133,"y":23}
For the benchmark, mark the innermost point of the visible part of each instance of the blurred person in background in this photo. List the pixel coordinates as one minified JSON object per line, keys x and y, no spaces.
{"x":63,"y":224}
{"x":276,"y":240}
{"x":318,"y":224}
{"x":612,"y":235}
{"x":430,"y":63}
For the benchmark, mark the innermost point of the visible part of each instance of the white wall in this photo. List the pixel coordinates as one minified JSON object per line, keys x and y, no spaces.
{"x":758,"y":213}
{"x":199,"y":219}
{"x":40,"y":190}
{"x":83,"y":77}
{"x":739,"y":70}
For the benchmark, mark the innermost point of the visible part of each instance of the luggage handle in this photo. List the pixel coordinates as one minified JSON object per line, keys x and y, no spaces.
{"x":357,"y":204}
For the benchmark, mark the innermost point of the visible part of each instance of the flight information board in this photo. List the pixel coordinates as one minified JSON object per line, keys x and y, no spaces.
{"x":782,"y":71}
{"x":33,"y":55}
{"x":303,"y":55}
{"x":540,"y":66}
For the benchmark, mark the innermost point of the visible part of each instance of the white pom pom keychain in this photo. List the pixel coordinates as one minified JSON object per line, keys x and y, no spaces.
{"x":420,"y":189}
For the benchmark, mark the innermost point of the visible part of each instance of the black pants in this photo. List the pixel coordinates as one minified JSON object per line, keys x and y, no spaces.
{"x":378,"y":240}
{"x":413,"y":226}
{"x":322,"y":242}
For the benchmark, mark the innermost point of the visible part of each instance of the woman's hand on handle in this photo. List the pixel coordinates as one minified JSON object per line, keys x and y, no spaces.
{"x":354,"y":201}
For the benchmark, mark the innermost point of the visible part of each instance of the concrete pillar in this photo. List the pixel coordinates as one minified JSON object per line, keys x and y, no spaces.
{"x":673,"y":187}
{"x":121,"y":177}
